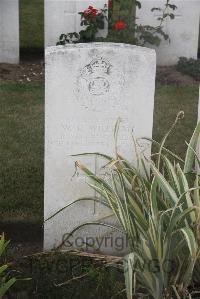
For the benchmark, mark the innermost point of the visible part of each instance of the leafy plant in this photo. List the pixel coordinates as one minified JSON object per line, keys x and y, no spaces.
{"x":121,"y":28}
{"x":189,"y":66}
{"x":157,"y":205}
{"x":93,"y":20}
{"x":133,"y":32}
{"x":160,"y":214}
{"x":5,"y":282}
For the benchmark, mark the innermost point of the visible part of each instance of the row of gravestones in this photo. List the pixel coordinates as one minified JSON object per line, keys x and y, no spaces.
{"x":61,"y":16}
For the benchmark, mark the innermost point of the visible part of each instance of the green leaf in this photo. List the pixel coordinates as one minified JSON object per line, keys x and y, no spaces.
{"x":191,"y":242}
{"x":128,"y":262}
{"x":3,"y":268}
{"x":197,"y":192}
{"x":192,"y":147}
{"x":164,"y":185}
{"x":6,"y":286}
{"x":172,"y":175}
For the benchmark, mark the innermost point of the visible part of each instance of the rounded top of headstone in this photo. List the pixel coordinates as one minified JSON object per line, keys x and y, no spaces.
{"x":102,"y":45}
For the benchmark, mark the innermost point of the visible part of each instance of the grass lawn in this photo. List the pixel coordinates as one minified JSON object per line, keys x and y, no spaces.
{"x":169,"y":100}
{"x":21,"y":147}
{"x":31,"y":16}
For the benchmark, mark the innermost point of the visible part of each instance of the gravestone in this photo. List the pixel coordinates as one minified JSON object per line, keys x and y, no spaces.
{"x":61,"y":16}
{"x":9,"y":31}
{"x":88,"y":86}
{"x":183,"y":30}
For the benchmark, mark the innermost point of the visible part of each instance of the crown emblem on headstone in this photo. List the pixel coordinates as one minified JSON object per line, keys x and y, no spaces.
{"x":100,"y":65}
{"x":95,"y":73}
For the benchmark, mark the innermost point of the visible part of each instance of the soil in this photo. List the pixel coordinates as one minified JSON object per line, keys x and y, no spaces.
{"x":168,"y":75}
{"x":15,"y":251}
{"x":23,"y":72}
{"x":60,"y":275}
{"x":26,"y":238}
{"x":33,"y":71}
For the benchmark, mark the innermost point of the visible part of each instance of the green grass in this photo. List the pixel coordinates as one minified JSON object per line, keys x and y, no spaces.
{"x":31,"y":24}
{"x":21,"y":147}
{"x":169,"y":100}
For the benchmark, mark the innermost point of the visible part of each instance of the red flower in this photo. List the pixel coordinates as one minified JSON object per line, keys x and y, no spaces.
{"x":120,"y":25}
{"x":110,"y":4}
{"x":91,"y":10}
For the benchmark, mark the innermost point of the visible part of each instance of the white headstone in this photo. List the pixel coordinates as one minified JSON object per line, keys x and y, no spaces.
{"x":9,"y":31}
{"x":183,"y":30}
{"x":88,"y":86}
{"x":62,"y":16}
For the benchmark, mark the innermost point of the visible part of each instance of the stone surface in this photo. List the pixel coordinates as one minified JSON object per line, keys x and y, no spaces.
{"x":88,"y":86}
{"x":183,"y":30}
{"x":9,"y":31}
{"x":61,"y":16}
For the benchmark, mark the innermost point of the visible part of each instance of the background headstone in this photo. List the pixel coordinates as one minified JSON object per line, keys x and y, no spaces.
{"x":61,"y":16}
{"x":88,"y":86}
{"x":9,"y":31}
{"x":183,"y":30}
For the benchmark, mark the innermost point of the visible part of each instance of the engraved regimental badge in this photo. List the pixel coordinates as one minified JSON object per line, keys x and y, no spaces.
{"x":96,"y":74}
